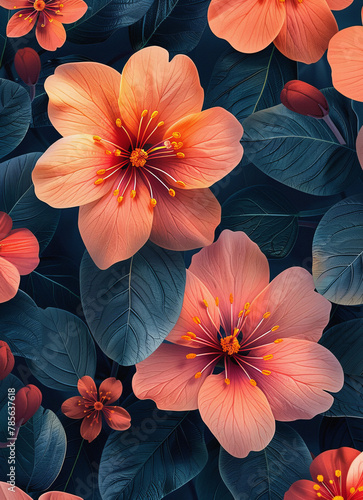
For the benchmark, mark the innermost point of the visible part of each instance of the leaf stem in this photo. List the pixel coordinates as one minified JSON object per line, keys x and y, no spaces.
{"x":334,"y":129}
{"x":114,"y":369}
{"x":74,"y":465}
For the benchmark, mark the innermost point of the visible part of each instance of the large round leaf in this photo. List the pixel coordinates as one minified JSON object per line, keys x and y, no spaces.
{"x":160,"y":453}
{"x":245,"y":83}
{"x":267,"y":474}
{"x":265,"y":216}
{"x":15,"y":114}
{"x":302,"y":152}
{"x":132,"y":306}
{"x":68,"y":351}
{"x":338,"y":253}
{"x":18,"y":199}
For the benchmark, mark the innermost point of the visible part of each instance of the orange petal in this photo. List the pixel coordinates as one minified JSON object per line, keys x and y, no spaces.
{"x":232,"y":265}
{"x":87,"y":388}
{"x":193,"y":306}
{"x":307,"y":30}
{"x":238,"y":414}
{"x":114,"y":231}
{"x":91,"y":427}
{"x":301,"y":490}
{"x":18,"y":25}
{"x":65,"y":174}
{"x":211,"y":144}
{"x":52,"y":35}
{"x":301,"y":372}
{"x":9,"y":280}
{"x":10,"y":4}
{"x":249,"y":25}
{"x":150,"y":82}
{"x":168,"y":378}
{"x":117,"y":418}
{"x":74,"y":407}
{"x":72,"y":11}
{"x":5,"y":225}
{"x":186,"y":221}
{"x":331,"y":460}
{"x":21,"y":248}
{"x":354,"y":476}
{"x":345,"y":56}
{"x":57,"y":495}
{"x":338,"y":4}
{"x":16,"y":494}
{"x":83,"y":99}
{"x":111,"y":388}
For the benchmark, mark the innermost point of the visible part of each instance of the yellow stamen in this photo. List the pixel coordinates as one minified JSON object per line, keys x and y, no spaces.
{"x":316,"y":487}
{"x":230,"y":345}
{"x":144,"y":113}
{"x":198,"y":375}
{"x":116,"y":192}
{"x":172,"y":193}
{"x":253,"y":382}
{"x":266,"y":372}
{"x":352,"y":490}
{"x":320,"y":478}
{"x":277,"y":341}
{"x":240,"y":314}
{"x":108,"y":152}
{"x":274,"y":328}
{"x":338,"y":473}
{"x":205,"y":303}
{"x":191,"y":355}
{"x":192,"y":335}
{"x":117,"y":152}
{"x":160,"y":124}
{"x":120,"y":198}
{"x":133,"y":193}
{"x":217,"y":301}
{"x":267,"y":357}
{"x":118,"y":122}
{"x":176,"y":135}
{"x":185,"y":337}
{"x":98,"y":182}
{"x":180,"y":155}
{"x":153,"y":202}
{"x":235,"y":331}
{"x":181,"y":183}
{"x":227,"y":381}
{"x":101,"y":172}
{"x":231,"y":298}
{"x":154,"y":114}
{"x":266,"y":315}
{"x":196,"y":320}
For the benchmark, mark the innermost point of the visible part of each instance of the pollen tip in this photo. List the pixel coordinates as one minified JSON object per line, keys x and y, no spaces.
{"x":153,"y":202}
{"x":181,"y":183}
{"x":338,"y":473}
{"x":172,"y":193}
{"x":253,"y":382}
{"x":277,"y":341}
{"x":176,"y":135}
{"x":205,"y":303}
{"x":235,"y":331}
{"x":266,"y":315}
{"x":196,"y":320}
{"x":144,"y":113}
{"x":274,"y":328}
{"x":192,"y":355}
{"x":101,"y":172}
{"x":120,"y":198}
{"x":133,"y":193}
{"x":352,"y":490}
{"x":160,"y":124}
{"x":247,"y":312}
{"x":231,"y":298}
{"x":198,"y":375}
{"x":108,"y":152}
{"x":247,"y":305}
{"x":320,"y":478}
{"x":227,"y":381}
{"x":180,"y":155}
{"x":118,"y":122}
{"x":316,"y":487}
{"x":240,"y":314}
{"x":117,"y":152}
{"x":98,"y":182}
{"x":266,"y":372}
{"x":217,"y":301}
{"x":116,"y":192}
{"x":186,"y":337}
{"x":268,"y":356}
{"x":154,"y":114}
{"x":192,"y":335}
{"x":97,"y":138}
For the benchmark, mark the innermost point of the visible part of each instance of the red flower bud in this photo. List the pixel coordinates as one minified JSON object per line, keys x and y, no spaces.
{"x":304,"y":99}
{"x":27,"y":402}
{"x":6,"y":360}
{"x":27,"y":65}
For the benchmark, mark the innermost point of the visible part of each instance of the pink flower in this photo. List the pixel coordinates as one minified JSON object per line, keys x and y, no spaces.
{"x":138,"y":154}
{"x":92,"y":405}
{"x":19,"y":255}
{"x":262,"y":337}
{"x":337,"y":475}
{"x":48,"y":15}
{"x":300,"y":29}
{"x":18,"y":494}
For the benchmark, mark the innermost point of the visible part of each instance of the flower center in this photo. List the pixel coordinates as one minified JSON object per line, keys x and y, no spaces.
{"x":140,"y":161}
{"x":39,"y":5}
{"x":138,"y":157}
{"x":332,"y":489}
{"x":98,"y":406}
{"x":230,"y":344}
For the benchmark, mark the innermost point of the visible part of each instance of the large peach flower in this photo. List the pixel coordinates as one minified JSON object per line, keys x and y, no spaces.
{"x":300,"y":29}
{"x":337,"y":475}
{"x":19,"y":255}
{"x":48,"y":16}
{"x":260,"y":336}
{"x":8,"y":492}
{"x":345,"y":56}
{"x":137,"y":158}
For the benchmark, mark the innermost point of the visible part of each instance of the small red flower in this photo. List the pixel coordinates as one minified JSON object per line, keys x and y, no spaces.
{"x":27,"y":402}
{"x":92,"y":404}
{"x":304,"y":99}
{"x":27,"y":65}
{"x":7,"y":360}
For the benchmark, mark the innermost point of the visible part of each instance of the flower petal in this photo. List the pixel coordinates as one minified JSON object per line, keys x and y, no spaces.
{"x":72,"y":11}
{"x":249,"y":26}
{"x":57,"y":495}
{"x":21,"y":248}
{"x":10,"y":4}
{"x":5,"y":225}
{"x":355,"y":472}
{"x":307,"y":30}
{"x":345,"y":56}
{"x":117,"y":418}
{"x":151,"y":82}
{"x":18,"y":25}
{"x":295,"y":307}
{"x":194,"y":307}
{"x":9,"y":280}
{"x":115,"y":231}
{"x":186,"y":221}
{"x":83,"y":99}
{"x":16,"y":494}
{"x":112,"y":388}
{"x":50,"y":35}
{"x":338,"y":4}
{"x":211,"y":144}
{"x":168,"y":378}
{"x":238,"y":414}
{"x":74,"y":407}
{"x":329,"y":461}
{"x":301,"y":372}
{"x":91,"y":426}
{"x":359,"y":146}
{"x":301,"y":490}
{"x":232,"y":265}
{"x":65,"y":174}
{"x":87,"y":388}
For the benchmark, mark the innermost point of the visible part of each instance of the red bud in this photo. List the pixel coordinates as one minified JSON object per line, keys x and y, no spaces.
{"x":27,"y":65}
{"x":7,"y":360}
{"x":27,"y":402}
{"x":304,"y":99}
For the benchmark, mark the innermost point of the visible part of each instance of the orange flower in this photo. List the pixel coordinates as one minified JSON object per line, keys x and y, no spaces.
{"x":137,"y":158}
{"x":49,"y":15}
{"x":19,"y":255}
{"x":20,"y":495}
{"x":300,"y":29}
{"x":92,"y":404}
{"x":345,"y":56}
